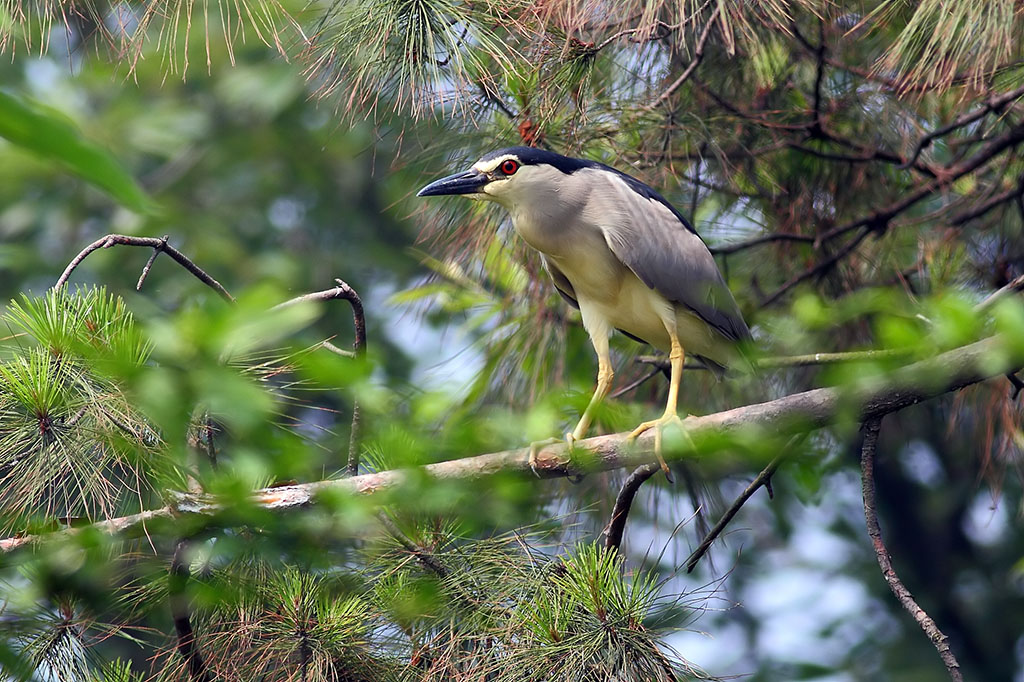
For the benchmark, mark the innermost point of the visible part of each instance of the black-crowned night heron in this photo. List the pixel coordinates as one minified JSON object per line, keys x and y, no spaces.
{"x":618,"y":251}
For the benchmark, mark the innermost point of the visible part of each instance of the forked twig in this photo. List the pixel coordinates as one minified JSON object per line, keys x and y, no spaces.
{"x":867,"y":467}
{"x":158,"y":245}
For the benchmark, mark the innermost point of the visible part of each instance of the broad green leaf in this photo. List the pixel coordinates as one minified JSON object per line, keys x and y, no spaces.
{"x":32,"y":126}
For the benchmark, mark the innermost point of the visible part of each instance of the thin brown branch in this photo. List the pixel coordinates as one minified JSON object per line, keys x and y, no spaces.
{"x":867,"y":465}
{"x":793,"y":414}
{"x":639,"y":382}
{"x":623,"y":502}
{"x":994,"y":105}
{"x":819,"y":269}
{"x":726,"y":249}
{"x":345,"y":292}
{"x":993,"y":202}
{"x":149,"y":263}
{"x":698,"y":55}
{"x":159,"y":246}
{"x":878,"y":221}
{"x":945,"y":177}
{"x":763,"y":479}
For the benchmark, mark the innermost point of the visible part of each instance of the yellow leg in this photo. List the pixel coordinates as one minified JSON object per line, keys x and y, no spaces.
{"x":605,"y":374}
{"x":676,"y":357}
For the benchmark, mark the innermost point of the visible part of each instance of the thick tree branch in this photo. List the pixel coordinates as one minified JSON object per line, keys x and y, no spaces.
{"x":867,"y":465}
{"x":797,"y":413}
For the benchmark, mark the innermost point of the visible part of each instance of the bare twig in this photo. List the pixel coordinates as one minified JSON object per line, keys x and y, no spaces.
{"x":763,"y":479}
{"x":177,"y":583}
{"x":623,"y":502}
{"x":698,"y":55}
{"x":726,"y":249}
{"x":994,"y":104}
{"x":819,"y":269}
{"x":149,"y":263}
{"x":639,"y":382}
{"x":867,"y":465}
{"x":158,"y":245}
{"x":344,"y":292}
{"x":797,"y":413}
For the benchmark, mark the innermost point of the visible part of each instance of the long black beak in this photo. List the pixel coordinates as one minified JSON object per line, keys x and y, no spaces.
{"x":466,"y":182}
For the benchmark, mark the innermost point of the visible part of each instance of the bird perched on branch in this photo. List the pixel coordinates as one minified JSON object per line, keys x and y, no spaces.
{"x":621,"y":254}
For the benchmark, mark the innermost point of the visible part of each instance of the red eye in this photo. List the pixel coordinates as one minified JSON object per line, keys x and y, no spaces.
{"x":508,"y":166}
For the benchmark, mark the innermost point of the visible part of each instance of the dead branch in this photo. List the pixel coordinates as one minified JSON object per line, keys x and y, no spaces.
{"x":158,"y":245}
{"x":623,"y":502}
{"x":867,"y":465}
{"x":796,"y":413}
{"x":763,"y":479}
{"x":698,"y":55}
{"x":345,"y":292}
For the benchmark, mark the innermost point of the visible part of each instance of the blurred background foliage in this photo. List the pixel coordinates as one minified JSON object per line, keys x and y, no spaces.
{"x":279,"y":144}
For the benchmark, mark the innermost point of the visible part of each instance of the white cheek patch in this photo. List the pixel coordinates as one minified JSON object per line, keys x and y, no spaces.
{"x":489,"y":166}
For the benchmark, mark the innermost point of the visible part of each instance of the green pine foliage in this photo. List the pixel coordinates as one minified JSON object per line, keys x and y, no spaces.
{"x":787,"y":120}
{"x":71,"y":444}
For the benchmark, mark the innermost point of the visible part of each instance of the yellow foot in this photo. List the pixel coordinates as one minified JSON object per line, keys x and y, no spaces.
{"x":659,"y":426}
{"x":538,"y":445}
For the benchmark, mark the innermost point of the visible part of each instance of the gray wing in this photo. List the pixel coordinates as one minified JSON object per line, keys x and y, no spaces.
{"x":562,"y":283}
{"x":669,"y":257}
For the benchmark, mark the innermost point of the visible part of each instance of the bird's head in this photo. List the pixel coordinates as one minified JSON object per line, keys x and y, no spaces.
{"x":507,"y":176}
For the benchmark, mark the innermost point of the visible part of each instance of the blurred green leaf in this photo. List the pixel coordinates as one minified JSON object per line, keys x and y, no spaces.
{"x":34,"y":127}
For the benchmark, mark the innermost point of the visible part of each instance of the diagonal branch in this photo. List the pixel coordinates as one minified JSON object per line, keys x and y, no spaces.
{"x":623,"y":502}
{"x":698,"y":55}
{"x":763,"y":479}
{"x":993,"y":105}
{"x":867,"y":465}
{"x":796,"y":413}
